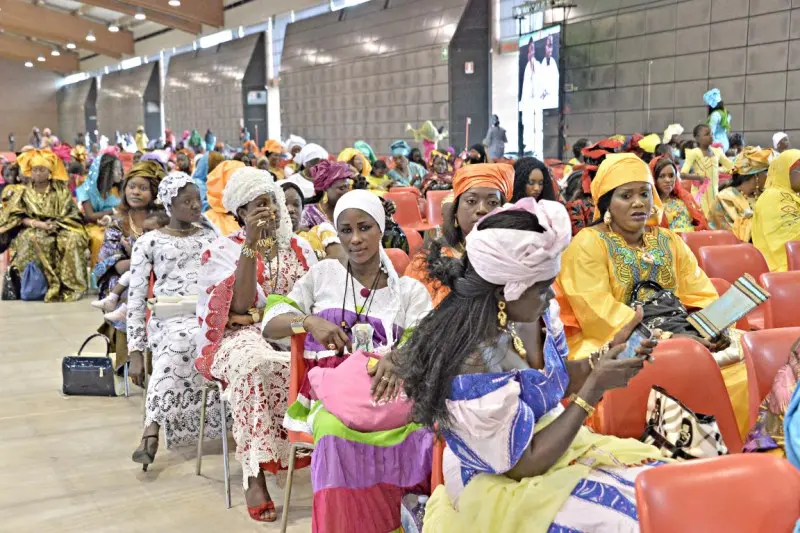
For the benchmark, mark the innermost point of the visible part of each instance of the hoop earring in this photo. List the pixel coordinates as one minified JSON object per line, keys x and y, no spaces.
{"x":607,"y":218}
{"x":502,"y":317}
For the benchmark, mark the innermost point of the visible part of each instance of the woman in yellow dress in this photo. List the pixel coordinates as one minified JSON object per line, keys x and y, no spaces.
{"x":733,"y":210}
{"x":681,"y":213}
{"x":624,"y":246}
{"x":777,"y":212}
{"x":702,"y":166}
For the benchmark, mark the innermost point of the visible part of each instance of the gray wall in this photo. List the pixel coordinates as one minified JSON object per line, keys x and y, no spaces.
{"x":749,"y":49}
{"x":366,"y":72}
{"x":204,"y":89}
{"x":120,"y":100}
{"x":72,"y":109}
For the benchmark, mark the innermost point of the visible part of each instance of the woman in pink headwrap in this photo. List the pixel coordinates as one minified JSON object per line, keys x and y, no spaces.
{"x":331,"y":182}
{"x":479,"y":368}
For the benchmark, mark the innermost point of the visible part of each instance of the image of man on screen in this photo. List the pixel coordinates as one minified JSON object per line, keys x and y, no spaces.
{"x":540,"y":88}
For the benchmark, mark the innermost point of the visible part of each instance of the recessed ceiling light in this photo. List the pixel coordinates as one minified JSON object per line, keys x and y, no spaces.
{"x":55,"y":53}
{"x":113,"y":28}
{"x":41,"y":59}
{"x":175,"y":3}
{"x":140,"y":15}
{"x":29,"y":64}
{"x":90,"y":37}
{"x":71,"y":46}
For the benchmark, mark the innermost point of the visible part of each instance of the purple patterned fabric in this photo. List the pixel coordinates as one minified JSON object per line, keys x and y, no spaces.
{"x":312,"y":216}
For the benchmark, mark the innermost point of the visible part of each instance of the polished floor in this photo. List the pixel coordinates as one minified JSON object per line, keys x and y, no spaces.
{"x":65,"y":461}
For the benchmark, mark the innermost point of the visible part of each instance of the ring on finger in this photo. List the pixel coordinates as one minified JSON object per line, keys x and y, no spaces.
{"x":384,"y":378}
{"x":331,"y":346}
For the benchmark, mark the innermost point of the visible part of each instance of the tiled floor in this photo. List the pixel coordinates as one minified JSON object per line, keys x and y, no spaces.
{"x":65,"y":461}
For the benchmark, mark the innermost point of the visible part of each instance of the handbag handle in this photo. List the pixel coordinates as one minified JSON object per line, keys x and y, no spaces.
{"x":108,"y":343}
{"x":642,"y":284}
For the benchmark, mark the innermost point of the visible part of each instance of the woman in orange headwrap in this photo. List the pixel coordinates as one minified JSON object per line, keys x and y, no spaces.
{"x":47,"y":227}
{"x":273,"y":151}
{"x":477,"y":190}
{"x":217,"y":214}
{"x":681,"y":213}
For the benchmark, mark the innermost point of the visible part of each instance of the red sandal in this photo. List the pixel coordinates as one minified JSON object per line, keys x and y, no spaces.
{"x":256,"y":512}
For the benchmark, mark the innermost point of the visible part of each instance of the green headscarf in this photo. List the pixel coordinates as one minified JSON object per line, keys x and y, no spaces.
{"x":366,"y":149}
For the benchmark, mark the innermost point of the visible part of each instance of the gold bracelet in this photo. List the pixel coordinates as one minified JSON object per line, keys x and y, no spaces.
{"x":583,"y":404}
{"x":248,"y":252}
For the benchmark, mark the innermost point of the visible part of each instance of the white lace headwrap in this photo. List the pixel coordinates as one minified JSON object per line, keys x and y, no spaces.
{"x":247,"y":184}
{"x":170,"y":186}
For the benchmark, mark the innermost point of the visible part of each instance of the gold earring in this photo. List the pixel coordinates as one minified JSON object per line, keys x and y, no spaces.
{"x":654,"y":211}
{"x":607,"y":218}
{"x":502,"y":317}
{"x":455,"y":222}
{"x":325,"y":198}
{"x":516,"y":341}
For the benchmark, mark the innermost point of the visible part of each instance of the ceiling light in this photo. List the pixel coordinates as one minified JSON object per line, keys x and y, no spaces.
{"x":29,"y":64}
{"x":71,"y":45}
{"x":175,"y":3}
{"x":41,"y":59}
{"x":90,"y":37}
{"x":140,"y":15}
{"x":55,"y":52}
{"x":113,"y":28}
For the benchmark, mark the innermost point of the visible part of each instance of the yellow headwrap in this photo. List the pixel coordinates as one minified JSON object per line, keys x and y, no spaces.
{"x":752,"y":160}
{"x":79,"y":154}
{"x":779,"y":169}
{"x":619,"y":169}
{"x":649,"y":143}
{"x":42,"y":158}
{"x":146,"y":169}
{"x":273,"y":146}
{"x":347,"y":155}
{"x":776,"y":212}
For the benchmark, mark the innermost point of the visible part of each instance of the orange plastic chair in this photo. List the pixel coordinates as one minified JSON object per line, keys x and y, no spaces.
{"x":793,"y":254}
{"x":407,"y":213}
{"x":753,"y":493}
{"x":687,"y":371}
{"x":435,"y":199}
{"x":415,"y":241}
{"x":764,"y":353}
{"x":698,"y":239}
{"x":729,"y":262}
{"x":399,"y":260}
{"x":780,"y":310}
{"x":437,"y":475}
{"x":722,"y":287}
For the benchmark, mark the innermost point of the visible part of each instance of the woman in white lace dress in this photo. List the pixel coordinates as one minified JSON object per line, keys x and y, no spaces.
{"x":172,"y":253}
{"x":239,"y":273}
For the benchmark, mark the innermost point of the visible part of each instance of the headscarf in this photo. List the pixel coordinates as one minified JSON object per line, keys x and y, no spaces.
{"x":91,"y":185}
{"x":712,"y":98}
{"x":158,"y":156}
{"x":189,"y":153}
{"x":305,"y":186}
{"x":519,"y":259}
{"x":347,"y":155}
{"x":752,"y":160}
{"x":148,"y":169}
{"x":195,"y":139}
{"x":248,"y":183}
{"x":367,"y":150}
{"x":400,"y":148}
{"x":671,"y":131}
{"x":632,"y":143}
{"x":216,"y":182}
{"x":170,"y":186}
{"x":434,"y":155}
{"x":294,"y":140}
{"x":619,"y":169}
{"x":427,"y":132}
{"x":42,"y":158}
{"x":214,"y":159}
{"x":79,"y":154}
{"x":498,"y":176}
{"x":648,"y":143}
{"x":698,"y":218}
{"x":777,"y":212}
{"x":250,"y":147}
{"x":777,"y":138}
{"x":482,"y":151}
{"x":309,"y":152}
{"x":593,"y":155}
{"x":326,"y":173}
{"x":272,"y":146}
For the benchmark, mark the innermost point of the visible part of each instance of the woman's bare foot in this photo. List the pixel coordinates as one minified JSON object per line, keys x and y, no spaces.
{"x":259,"y":503}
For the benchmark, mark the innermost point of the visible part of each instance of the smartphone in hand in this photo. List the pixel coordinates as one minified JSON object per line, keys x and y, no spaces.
{"x":634,"y":341}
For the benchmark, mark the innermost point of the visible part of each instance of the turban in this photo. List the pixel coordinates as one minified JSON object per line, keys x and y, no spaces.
{"x":752,"y":160}
{"x":498,"y":176}
{"x":400,"y":148}
{"x":671,"y":131}
{"x":273,"y":146}
{"x":777,"y":138}
{"x":216,"y":181}
{"x":295,"y":140}
{"x":248,"y":183}
{"x":214,"y":159}
{"x":649,"y":143}
{"x":518,"y":259}
{"x":310,"y":152}
{"x":348,"y":154}
{"x":42,"y":158}
{"x":619,"y":169}
{"x":712,"y":98}
{"x":148,"y":169}
{"x":79,"y":154}
{"x":366,"y":149}
{"x":326,"y":173}
{"x":170,"y":186}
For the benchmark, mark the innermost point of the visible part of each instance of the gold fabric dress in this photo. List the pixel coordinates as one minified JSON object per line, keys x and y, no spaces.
{"x":733,"y":211}
{"x":61,"y":255}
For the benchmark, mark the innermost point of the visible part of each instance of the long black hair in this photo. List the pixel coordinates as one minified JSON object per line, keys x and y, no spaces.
{"x":464,"y":322}
{"x":602,"y":206}
{"x":105,"y":174}
{"x":522,"y":170}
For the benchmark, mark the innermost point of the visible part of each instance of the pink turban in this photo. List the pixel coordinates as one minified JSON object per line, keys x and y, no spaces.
{"x":518,"y":259}
{"x":326,"y":173}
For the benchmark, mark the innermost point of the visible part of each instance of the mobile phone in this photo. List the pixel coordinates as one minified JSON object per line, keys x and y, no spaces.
{"x":640,"y":333}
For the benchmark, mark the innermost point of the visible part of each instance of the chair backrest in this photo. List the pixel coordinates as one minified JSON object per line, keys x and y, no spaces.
{"x":435,"y":199}
{"x":697,"y":239}
{"x":784,"y":290}
{"x":756,"y":493}
{"x":730,"y":261}
{"x":793,"y":254}
{"x":437,"y":474}
{"x":415,"y":241}
{"x":398,"y":190}
{"x":297,"y":373}
{"x":406,"y":208}
{"x":688,"y":372}
{"x":765,"y":352}
{"x":399,"y":260}
{"x":722,"y":287}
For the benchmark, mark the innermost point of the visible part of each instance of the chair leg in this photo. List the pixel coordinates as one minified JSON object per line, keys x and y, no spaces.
{"x":287,"y":493}
{"x":202,"y":429}
{"x":145,"y":384}
{"x":225,"y":465}
{"x":125,"y":377}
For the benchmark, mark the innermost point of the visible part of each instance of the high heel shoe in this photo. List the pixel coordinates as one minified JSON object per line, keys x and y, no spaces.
{"x":143,"y":456}
{"x":256,"y":512}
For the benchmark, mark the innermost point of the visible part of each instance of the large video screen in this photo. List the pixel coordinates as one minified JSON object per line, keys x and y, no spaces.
{"x":539,"y":85}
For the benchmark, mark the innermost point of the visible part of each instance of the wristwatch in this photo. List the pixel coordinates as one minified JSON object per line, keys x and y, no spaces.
{"x":297,"y":325}
{"x":255,"y":313}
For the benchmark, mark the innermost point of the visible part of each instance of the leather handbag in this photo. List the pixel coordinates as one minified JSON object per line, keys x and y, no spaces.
{"x":662,"y":309}
{"x":86,"y":374}
{"x":11,"y":284}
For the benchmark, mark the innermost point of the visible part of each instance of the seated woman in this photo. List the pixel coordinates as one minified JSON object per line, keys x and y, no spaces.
{"x":733,"y":210}
{"x":306,"y":159}
{"x":329,"y":302}
{"x":46,"y":227}
{"x":624,"y":246}
{"x":273,"y":151}
{"x":217,"y":214}
{"x":238,"y":273}
{"x":439,"y":178}
{"x":322,"y":238}
{"x":99,"y":196}
{"x":378,"y":182}
{"x":777,"y":212}
{"x":516,"y":459}
{"x":172,"y":254}
{"x":331,"y":182}
{"x":478,"y":190}
{"x":681,"y":213}
{"x":405,"y":173}
{"x":532,"y":179}
{"x":356,"y":159}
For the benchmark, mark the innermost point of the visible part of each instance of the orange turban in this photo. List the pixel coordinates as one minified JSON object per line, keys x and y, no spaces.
{"x":217,"y":179}
{"x":273,"y":146}
{"x":214,"y":159}
{"x":42,"y":158}
{"x":498,"y":176}
{"x":619,"y":169}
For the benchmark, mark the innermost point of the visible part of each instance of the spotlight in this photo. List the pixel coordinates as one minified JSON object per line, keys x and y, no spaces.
{"x":113,"y":28}
{"x":175,"y":3}
{"x":140,"y":15}
{"x":90,"y":37}
{"x":71,"y":45}
{"x":29,"y":64}
{"x":55,"y":52}
{"x":40,"y":59}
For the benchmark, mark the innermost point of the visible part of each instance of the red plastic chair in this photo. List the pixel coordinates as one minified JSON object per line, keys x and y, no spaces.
{"x":722,"y":287}
{"x":729,"y":262}
{"x":793,"y":254}
{"x":687,"y":371}
{"x":764,"y":353}
{"x":397,"y":190}
{"x":437,"y":475}
{"x":752,"y":493}
{"x":698,"y":239}
{"x":407,"y":211}
{"x":415,"y":241}
{"x":399,"y":260}
{"x":781,"y":309}
{"x":435,"y":199}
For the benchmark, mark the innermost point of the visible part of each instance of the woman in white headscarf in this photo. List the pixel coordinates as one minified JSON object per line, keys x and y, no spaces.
{"x":239,"y":274}
{"x":306,"y":159}
{"x":360,"y":292}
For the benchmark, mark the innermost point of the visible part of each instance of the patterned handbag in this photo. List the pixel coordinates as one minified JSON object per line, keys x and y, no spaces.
{"x":679,"y":432}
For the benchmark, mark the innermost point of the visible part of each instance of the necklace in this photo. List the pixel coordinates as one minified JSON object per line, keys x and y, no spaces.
{"x":179,"y":232}
{"x":368,"y":294}
{"x":273,"y":277}
{"x":137,"y":232}
{"x":647,"y":257}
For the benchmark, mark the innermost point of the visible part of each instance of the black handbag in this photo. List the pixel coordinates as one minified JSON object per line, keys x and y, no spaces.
{"x":87,"y":375}
{"x":662,"y":309}
{"x":11,"y":284}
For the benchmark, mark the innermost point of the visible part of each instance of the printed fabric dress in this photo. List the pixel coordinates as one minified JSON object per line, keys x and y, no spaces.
{"x":256,"y":372}
{"x":496,"y":416}
{"x":174,"y":389}
{"x":677,"y":215}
